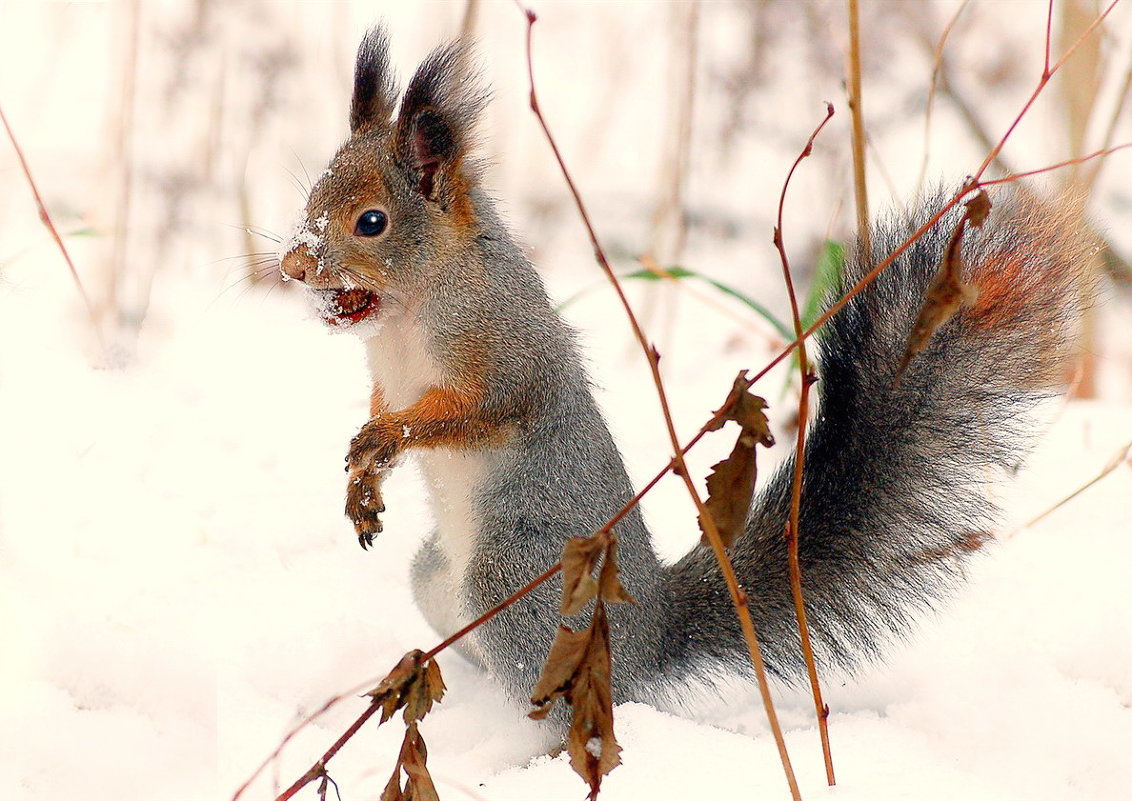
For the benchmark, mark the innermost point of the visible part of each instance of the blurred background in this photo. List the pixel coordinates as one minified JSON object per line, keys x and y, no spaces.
{"x":177,"y":137}
{"x":178,"y":585}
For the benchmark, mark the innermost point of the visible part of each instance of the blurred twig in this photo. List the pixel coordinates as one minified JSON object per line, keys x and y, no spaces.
{"x":471,"y":14}
{"x":1122,"y":456}
{"x":45,"y":218}
{"x":122,"y":162}
{"x":933,"y":88}
{"x":669,"y":226}
{"x":1110,"y":130}
{"x":1079,"y":87}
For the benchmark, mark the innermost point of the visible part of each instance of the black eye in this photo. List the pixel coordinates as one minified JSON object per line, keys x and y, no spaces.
{"x":371,"y":223}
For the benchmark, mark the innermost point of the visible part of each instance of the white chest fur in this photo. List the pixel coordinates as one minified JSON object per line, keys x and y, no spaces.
{"x":401,"y":364}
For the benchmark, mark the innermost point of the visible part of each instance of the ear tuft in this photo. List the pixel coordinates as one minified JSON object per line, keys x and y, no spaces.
{"x":436,"y":124}
{"x":375,"y":90}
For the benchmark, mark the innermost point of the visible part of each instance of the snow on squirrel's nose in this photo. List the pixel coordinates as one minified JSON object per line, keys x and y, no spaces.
{"x":300,"y":258}
{"x":297,"y":264}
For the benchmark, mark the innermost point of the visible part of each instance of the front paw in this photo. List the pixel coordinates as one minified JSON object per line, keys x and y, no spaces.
{"x":364,"y":505}
{"x":375,"y":446}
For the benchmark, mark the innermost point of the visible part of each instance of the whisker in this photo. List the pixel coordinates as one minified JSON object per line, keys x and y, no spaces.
{"x":364,"y":282}
{"x":310,"y":183}
{"x":249,"y":281}
{"x":263,"y":254}
{"x":255,"y":264}
{"x":304,"y":191}
{"x":271,"y":236}
{"x":255,"y":230}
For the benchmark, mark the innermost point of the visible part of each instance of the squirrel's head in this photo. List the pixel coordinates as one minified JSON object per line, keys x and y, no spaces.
{"x":394,"y":206}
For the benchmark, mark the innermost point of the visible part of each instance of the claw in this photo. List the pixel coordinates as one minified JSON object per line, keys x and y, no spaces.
{"x":368,"y":527}
{"x":363,"y":505}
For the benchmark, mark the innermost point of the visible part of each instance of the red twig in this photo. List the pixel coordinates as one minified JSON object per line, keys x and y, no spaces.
{"x":1047,"y":73}
{"x":1017,"y":176}
{"x":45,"y":218}
{"x":1049,"y":35}
{"x":319,"y":768}
{"x":792,"y":525}
{"x":738,"y":595}
{"x":489,"y":614}
{"x":326,"y":707}
{"x":313,"y":773}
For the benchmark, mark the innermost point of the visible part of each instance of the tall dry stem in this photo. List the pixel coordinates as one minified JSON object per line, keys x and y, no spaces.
{"x":857,"y":113}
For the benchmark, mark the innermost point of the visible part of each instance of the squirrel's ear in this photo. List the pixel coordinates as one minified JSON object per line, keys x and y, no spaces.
{"x":436,"y":124}
{"x":375,"y":91}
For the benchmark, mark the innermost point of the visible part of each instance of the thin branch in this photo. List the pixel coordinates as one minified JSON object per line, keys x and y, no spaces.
{"x":738,"y":595}
{"x":1017,"y":176}
{"x":495,"y":610}
{"x":1049,"y":35}
{"x":308,"y":720}
{"x":45,"y":218}
{"x":937,"y":67}
{"x":471,"y":14}
{"x":1122,"y":456}
{"x":1110,"y":131}
{"x":792,"y":526}
{"x":319,"y":767}
{"x":1047,"y":73}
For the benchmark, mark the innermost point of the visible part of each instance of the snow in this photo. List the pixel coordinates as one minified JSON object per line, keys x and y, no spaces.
{"x":179,"y":587}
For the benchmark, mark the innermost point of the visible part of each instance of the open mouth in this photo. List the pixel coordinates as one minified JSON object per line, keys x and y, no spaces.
{"x":348,"y":306}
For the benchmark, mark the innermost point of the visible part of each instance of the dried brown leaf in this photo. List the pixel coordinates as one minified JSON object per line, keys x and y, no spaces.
{"x":609,"y":585}
{"x":418,"y":782}
{"x":591,"y":743}
{"x":560,"y":671}
{"x":746,"y":409}
{"x":392,"y":791}
{"x":413,"y":761}
{"x":978,"y":208}
{"x":422,"y":693}
{"x":947,"y":291}
{"x":578,"y":670}
{"x":579,"y":558}
{"x":731,"y":483}
{"x":731,"y":488}
{"x":412,"y":685}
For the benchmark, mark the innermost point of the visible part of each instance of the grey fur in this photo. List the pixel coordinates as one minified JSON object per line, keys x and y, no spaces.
{"x":894,"y":489}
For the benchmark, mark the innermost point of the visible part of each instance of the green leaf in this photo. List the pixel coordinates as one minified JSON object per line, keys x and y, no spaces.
{"x":92,"y":232}
{"x":827,"y":275}
{"x":682,"y":273}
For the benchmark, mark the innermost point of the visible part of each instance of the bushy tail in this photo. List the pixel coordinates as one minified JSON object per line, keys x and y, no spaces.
{"x":894,"y":495}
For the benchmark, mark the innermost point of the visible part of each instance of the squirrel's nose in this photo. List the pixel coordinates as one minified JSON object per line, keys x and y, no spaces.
{"x":297,"y":264}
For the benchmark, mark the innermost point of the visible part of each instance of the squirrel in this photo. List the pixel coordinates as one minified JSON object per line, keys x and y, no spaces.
{"x":476,"y":374}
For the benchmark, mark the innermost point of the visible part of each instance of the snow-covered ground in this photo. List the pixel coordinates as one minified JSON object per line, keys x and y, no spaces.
{"x":178,"y":586}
